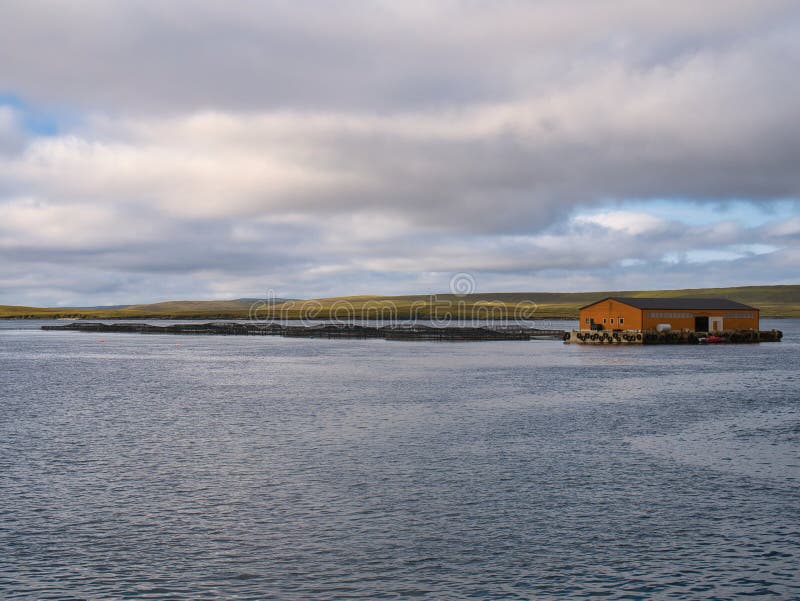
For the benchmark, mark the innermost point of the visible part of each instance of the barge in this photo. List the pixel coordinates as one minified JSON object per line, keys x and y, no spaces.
{"x":671,"y":337}
{"x":669,"y":320}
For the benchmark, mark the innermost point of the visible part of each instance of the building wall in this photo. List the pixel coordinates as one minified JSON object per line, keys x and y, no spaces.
{"x":647,"y":319}
{"x":612,"y":311}
{"x":684,"y":320}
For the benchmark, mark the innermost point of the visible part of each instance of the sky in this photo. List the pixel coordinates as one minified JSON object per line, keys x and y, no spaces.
{"x":198,"y":150}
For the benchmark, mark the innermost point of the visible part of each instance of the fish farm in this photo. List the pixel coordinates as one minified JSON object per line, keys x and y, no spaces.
{"x":413,"y":331}
{"x":328,"y":330}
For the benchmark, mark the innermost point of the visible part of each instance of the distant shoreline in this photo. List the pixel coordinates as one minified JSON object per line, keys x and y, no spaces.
{"x":322,"y":319}
{"x":779,"y":301}
{"x":268,"y":319}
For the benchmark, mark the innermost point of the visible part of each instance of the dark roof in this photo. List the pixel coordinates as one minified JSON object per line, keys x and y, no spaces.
{"x":677,"y":303}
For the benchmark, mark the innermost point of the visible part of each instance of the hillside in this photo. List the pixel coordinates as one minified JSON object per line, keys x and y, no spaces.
{"x":774,"y":301}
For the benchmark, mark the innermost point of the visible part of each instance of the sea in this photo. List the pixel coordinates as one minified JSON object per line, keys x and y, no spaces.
{"x":223,"y":467}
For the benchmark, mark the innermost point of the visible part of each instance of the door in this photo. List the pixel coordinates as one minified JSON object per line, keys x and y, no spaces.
{"x":716,"y":324}
{"x":701,"y":324}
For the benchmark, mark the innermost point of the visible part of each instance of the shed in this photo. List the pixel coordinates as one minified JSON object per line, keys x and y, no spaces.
{"x":695,"y":314}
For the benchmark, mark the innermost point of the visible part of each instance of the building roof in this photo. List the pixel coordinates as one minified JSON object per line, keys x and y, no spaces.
{"x":678,"y":303}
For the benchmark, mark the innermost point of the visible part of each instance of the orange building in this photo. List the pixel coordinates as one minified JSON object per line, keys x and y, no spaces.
{"x":695,"y":314}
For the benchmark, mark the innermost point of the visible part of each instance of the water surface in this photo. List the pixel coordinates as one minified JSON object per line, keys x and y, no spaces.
{"x":180,"y":467}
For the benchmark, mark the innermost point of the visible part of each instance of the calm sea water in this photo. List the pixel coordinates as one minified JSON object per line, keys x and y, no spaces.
{"x":273,"y":468}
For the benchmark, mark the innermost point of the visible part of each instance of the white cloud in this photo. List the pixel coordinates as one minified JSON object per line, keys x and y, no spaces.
{"x":789,"y":227}
{"x":625,"y":221}
{"x":27,"y":222}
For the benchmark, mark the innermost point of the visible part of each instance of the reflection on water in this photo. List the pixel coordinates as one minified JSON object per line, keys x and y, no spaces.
{"x":179,"y":467}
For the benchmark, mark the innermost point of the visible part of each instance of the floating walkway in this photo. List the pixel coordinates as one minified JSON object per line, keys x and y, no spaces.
{"x":393,"y":332}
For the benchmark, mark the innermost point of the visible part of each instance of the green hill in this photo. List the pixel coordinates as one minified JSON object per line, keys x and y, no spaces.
{"x":774,"y":301}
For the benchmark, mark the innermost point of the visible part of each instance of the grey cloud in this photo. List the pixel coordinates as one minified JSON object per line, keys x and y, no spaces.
{"x":11,"y":138}
{"x":311,"y":259}
{"x":631,"y":100}
{"x":328,"y":148}
{"x":180,"y":55}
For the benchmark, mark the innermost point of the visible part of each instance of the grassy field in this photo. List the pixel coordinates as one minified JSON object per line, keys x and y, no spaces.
{"x":774,"y":301}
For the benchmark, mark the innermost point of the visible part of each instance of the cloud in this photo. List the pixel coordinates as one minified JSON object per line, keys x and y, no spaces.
{"x":11,"y":138}
{"x":183,"y":55}
{"x":624,"y":221}
{"x":329,"y":149}
{"x":518,"y":165}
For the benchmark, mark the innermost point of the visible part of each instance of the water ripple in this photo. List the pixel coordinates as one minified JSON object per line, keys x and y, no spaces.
{"x":296,"y":469}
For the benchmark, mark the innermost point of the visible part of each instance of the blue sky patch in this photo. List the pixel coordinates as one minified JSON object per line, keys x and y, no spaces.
{"x":33,"y":119}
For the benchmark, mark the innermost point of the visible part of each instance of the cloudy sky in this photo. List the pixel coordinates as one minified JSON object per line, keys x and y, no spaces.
{"x":163,"y":150}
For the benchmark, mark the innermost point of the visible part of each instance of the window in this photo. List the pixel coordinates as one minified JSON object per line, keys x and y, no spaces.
{"x":612,"y":321}
{"x":621,"y":320}
{"x":587,"y":321}
{"x":672,"y":314}
{"x":604,"y":321}
{"x":739,"y":315}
